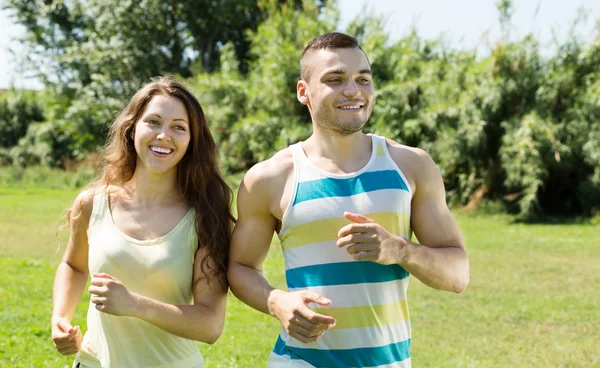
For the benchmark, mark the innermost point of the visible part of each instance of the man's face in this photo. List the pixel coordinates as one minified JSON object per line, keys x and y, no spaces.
{"x":339,"y":90}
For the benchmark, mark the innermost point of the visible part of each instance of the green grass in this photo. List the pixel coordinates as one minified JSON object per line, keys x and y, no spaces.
{"x":43,"y":176}
{"x":532,"y":301}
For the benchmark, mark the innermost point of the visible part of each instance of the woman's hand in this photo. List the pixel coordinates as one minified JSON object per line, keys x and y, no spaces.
{"x":67,"y":339}
{"x":111,"y":296}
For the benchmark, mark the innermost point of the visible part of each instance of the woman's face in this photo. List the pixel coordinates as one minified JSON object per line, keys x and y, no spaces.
{"x":162,"y":135}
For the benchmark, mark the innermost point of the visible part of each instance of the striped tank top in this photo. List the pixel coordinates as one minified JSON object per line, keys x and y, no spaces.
{"x":368,"y":299}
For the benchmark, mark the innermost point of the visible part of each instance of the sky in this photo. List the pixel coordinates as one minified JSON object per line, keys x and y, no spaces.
{"x":465,"y":24}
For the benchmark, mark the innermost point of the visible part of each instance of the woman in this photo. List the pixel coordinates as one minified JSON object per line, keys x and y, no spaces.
{"x":153,"y":233}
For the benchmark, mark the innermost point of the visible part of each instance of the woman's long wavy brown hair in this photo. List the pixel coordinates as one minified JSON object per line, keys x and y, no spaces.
{"x":198,"y":176}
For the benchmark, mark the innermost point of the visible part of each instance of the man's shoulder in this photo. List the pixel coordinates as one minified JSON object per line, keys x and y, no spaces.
{"x":271,"y":172}
{"x":403,"y":152}
{"x":415,"y":163}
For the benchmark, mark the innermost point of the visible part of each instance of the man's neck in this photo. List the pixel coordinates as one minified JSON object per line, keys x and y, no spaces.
{"x":334,"y":152}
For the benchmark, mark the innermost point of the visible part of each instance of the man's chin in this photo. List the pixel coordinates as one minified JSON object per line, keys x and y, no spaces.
{"x":348,"y":129}
{"x":345,"y":128}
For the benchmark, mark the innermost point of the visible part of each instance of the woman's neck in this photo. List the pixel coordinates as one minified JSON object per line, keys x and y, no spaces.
{"x":145,"y":188}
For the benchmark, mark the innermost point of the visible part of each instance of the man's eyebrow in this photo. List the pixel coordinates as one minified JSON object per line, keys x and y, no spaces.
{"x":341,"y":72}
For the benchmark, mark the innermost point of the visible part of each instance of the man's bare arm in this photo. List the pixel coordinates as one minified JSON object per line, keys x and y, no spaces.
{"x":251,"y":240}
{"x":440,"y":261}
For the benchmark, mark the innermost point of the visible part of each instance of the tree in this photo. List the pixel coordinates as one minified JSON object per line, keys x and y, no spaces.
{"x":97,"y":52}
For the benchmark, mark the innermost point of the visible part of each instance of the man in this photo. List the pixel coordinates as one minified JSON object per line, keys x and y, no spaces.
{"x":344,"y":205}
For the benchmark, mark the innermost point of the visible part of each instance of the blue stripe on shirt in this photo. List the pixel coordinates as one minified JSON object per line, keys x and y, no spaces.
{"x":343,"y":273}
{"x":363,"y":183}
{"x":359,"y":357}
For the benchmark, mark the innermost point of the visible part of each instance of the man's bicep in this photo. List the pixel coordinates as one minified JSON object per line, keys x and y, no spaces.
{"x":431,"y":219}
{"x":253,"y":230}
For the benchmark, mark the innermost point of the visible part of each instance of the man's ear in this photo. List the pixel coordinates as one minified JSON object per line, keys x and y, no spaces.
{"x":302,"y":92}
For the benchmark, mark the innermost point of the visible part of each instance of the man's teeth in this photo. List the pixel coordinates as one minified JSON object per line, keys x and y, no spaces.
{"x":161,"y":150}
{"x":350,"y":107}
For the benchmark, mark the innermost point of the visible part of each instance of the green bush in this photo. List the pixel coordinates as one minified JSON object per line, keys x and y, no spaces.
{"x":18,"y":110}
{"x":514,"y":128}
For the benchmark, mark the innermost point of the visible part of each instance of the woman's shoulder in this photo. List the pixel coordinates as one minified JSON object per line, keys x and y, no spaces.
{"x":84,"y":203}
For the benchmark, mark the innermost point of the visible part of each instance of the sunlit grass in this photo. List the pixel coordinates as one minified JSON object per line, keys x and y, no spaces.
{"x":532,"y":301}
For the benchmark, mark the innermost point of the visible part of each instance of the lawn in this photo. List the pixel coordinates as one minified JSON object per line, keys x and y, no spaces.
{"x":532,"y":301}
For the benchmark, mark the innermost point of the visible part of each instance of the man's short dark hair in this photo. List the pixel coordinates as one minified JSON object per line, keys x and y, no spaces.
{"x":327,"y":41}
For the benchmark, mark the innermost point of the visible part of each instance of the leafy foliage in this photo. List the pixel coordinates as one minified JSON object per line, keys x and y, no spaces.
{"x":95,"y":53}
{"x":513,"y":127}
{"x":18,"y":109}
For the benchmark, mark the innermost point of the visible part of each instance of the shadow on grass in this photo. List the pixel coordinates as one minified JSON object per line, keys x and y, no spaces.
{"x":557,"y":220}
{"x":511,"y":215}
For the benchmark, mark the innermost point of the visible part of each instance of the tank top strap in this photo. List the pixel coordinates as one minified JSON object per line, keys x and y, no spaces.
{"x":100,"y":207}
{"x":298,"y":154}
{"x":379,"y":145}
{"x":302,"y":166}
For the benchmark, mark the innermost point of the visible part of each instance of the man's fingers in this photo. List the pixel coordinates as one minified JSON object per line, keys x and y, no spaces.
{"x":360,"y":247}
{"x":299,"y":337}
{"x":355,"y":217}
{"x":366,"y":256}
{"x":316,"y":318}
{"x":304,"y":339}
{"x":307,"y":332}
{"x":299,"y":320}
{"x":356,"y":238}
{"x":355,"y":229}
{"x":311,"y":296}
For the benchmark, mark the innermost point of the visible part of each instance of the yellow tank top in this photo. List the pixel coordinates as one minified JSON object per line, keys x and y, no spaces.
{"x":160,"y":269}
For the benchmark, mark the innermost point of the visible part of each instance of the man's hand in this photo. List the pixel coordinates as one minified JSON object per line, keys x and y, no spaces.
{"x":301,"y":323}
{"x":367,"y":240}
{"x":111,"y":296}
{"x":67,"y":339}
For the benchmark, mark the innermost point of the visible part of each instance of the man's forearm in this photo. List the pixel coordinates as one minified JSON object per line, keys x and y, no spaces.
{"x":445,"y":268}
{"x":250,"y":286}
